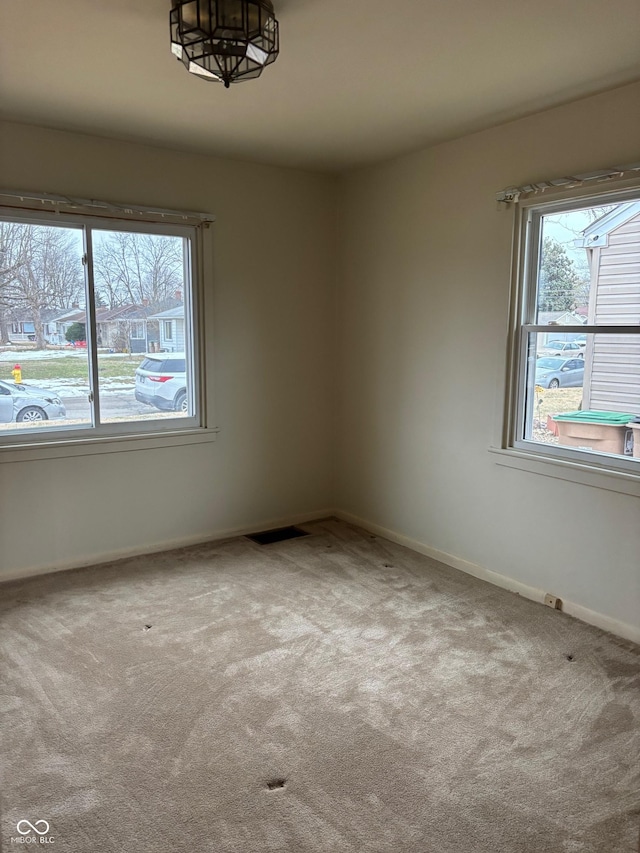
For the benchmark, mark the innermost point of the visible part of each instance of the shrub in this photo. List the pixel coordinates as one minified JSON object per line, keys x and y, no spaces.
{"x":76,"y":332}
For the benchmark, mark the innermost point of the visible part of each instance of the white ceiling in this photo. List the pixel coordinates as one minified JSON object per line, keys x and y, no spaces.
{"x":356,"y":80}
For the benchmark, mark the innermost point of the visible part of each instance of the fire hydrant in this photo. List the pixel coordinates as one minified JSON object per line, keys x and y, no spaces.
{"x":17,"y":374}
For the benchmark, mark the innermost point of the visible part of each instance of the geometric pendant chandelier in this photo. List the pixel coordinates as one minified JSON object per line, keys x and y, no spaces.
{"x":224,"y":41}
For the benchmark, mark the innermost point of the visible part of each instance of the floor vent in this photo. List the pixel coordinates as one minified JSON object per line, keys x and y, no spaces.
{"x":268,"y":537}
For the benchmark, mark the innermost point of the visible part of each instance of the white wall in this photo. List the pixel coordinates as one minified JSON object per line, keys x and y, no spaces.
{"x":269,"y":344}
{"x":423,"y":308}
{"x":416,"y":360}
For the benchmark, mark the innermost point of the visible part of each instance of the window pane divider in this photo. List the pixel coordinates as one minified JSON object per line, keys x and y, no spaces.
{"x":130,"y":425}
{"x":92,"y":331}
{"x":613,"y":388}
{"x":532,"y":226}
{"x":584,"y":330}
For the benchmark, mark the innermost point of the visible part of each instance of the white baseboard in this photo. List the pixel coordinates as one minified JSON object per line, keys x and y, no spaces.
{"x":166,"y":545}
{"x":600,"y":620}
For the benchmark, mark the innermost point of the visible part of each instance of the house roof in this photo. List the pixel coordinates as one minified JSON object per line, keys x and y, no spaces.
{"x":559,"y":318}
{"x":69,"y":312}
{"x":76,"y":316}
{"x":176,"y":313}
{"x":25,"y":315}
{"x":128,"y":311}
{"x":123,"y":312}
{"x":103,"y":315}
{"x":145,"y":312}
{"x":595,"y":235}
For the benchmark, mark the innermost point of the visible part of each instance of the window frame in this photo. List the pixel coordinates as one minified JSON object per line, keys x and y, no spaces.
{"x":61,"y":440}
{"x":515,"y":450}
{"x":136,"y":326}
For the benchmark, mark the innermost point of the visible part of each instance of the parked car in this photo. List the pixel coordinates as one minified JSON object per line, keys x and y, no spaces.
{"x":559,"y":372}
{"x":564,"y":348}
{"x":161,"y":381}
{"x":28,"y":404}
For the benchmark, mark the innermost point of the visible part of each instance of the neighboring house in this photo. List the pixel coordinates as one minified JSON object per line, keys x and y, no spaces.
{"x":612,"y":365}
{"x":558,"y":318}
{"x":583,"y":312}
{"x":128,"y":328}
{"x":141,"y":334}
{"x":123,"y":329}
{"x":145,"y":329}
{"x":22,"y":328}
{"x":63,"y":321}
{"x":171,"y":329}
{"x":136,"y":328}
{"x":113,"y":326}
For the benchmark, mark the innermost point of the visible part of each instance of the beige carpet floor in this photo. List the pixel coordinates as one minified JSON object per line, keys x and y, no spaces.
{"x":330,"y":693}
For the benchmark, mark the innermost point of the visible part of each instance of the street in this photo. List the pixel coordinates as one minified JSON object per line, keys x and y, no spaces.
{"x":113,"y":405}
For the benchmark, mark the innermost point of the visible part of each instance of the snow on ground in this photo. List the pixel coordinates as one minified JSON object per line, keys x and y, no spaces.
{"x":77,"y":388}
{"x":36,"y":355}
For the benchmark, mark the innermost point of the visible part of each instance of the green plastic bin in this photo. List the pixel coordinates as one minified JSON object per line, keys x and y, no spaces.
{"x":604,"y":432}
{"x":589,"y":417}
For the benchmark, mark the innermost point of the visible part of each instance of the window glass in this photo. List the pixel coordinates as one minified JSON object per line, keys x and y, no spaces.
{"x":174,"y":365}
{"x":584,"y":291}
{"x":89,"y":318}
{"x":588,"y":267}
{"x":43,"y":323}
{"x":139,"y":280}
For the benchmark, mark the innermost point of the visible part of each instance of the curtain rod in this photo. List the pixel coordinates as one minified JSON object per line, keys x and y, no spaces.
{"x":512,"y":194}
{"x":48,"y":199}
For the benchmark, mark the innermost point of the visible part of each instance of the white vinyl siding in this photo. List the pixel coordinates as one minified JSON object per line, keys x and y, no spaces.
{"x":172,"y":337}
{"x":612,"y":365}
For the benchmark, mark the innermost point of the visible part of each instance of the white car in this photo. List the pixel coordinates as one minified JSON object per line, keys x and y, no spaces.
{"x":566,"y":349}
{"x":28,"y":404}
{"x":161,"y":382}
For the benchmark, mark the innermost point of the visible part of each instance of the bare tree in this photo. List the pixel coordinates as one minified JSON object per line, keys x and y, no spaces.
{"x":41,"y":269}
{"x":137,"y":269}
{"x":11,"y":258}
{"x":592,"y":214}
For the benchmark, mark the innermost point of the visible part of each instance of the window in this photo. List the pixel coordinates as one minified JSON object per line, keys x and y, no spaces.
{"x":576,"y":348}
{"x":82,"y":303}
{"x":168,"y":330}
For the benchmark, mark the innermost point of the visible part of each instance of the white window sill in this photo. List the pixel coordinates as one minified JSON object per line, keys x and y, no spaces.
{"x":94,"y":446}
{"x":563,"y":469}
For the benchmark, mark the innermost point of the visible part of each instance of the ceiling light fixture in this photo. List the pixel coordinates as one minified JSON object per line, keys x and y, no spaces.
{"x":224,"y":41}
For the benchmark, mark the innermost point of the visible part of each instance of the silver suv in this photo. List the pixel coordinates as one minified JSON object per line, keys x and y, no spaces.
{"x":161,"y":381}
